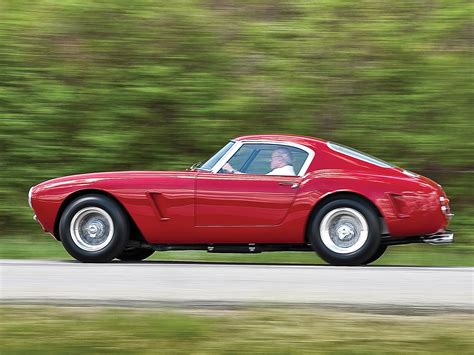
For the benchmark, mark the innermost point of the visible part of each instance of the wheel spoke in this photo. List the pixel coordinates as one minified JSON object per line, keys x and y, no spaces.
{"x":91,"y":229}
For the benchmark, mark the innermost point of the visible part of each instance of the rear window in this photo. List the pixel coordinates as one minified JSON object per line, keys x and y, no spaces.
{"x":358,"y":155}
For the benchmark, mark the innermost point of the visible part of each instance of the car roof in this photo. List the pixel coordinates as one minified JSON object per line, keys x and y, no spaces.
{"x":304,"y":140}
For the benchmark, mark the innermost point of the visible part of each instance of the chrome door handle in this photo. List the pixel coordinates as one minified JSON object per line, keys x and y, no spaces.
{"x":292,"y":184}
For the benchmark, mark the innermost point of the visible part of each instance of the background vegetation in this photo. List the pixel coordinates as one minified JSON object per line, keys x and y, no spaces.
{"x":79,"y":330}
{"x":153,"y":85}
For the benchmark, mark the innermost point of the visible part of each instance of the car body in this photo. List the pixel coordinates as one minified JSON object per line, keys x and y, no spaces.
{"x":252,"y":211}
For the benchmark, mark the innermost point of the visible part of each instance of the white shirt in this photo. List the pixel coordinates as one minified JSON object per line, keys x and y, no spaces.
{"x":286,"y":170}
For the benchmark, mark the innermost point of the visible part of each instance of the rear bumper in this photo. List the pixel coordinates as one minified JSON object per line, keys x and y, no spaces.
{"x":446,"y":237}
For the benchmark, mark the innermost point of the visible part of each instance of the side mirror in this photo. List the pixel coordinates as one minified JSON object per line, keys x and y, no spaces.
{"x":194,"y":166}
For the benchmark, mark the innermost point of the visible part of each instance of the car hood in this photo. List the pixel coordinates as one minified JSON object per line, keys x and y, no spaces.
{"x":115,"y":175}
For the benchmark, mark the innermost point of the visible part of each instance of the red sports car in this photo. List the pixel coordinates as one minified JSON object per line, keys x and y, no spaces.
{"x":258,"y":193}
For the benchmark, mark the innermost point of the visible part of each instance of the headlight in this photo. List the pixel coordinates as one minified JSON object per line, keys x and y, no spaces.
{"x":29,"y":197}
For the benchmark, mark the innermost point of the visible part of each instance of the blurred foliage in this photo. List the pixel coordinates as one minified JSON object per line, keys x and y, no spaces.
{"x":277,"y":330}
{"x":152,"y":85}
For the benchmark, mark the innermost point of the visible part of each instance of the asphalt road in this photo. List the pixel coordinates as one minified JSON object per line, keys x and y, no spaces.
{"x":175,"y":283}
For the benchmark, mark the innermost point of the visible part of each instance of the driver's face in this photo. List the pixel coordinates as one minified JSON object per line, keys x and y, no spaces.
{"x":276,"y":161}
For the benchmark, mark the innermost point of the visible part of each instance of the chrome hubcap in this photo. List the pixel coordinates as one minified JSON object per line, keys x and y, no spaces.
{"x":344,"y":230}
{"x":92,"y":229}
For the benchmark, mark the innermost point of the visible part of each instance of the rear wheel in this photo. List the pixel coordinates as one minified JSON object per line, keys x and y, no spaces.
{"x":94,"y":228}
{"x":380,"y":251}
{"x":345,"y":232}
{"x":135,"y":254}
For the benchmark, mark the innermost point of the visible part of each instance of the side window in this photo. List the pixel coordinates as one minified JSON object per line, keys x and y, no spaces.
{"x":299,"y":158}
{"x":242,"y":156}
{"x":261,"y":162}
{"x":253,"y":158}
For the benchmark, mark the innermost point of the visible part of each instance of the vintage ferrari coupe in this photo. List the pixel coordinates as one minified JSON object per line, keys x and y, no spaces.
{"x":258,"y":193}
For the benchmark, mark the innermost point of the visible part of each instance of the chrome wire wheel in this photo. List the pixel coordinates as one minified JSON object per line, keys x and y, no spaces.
{"x":344,"y":230}
{"x":92,"y":229}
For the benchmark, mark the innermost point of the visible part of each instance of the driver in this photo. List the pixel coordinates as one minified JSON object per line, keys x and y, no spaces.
{"x":281,"y":163}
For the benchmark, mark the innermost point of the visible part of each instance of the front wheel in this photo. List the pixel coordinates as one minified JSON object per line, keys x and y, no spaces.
{"x":345,"y":232}
{"x":94,"y":228}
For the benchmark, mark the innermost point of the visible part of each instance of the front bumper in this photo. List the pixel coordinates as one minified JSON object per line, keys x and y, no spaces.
{"x":446,"y":237}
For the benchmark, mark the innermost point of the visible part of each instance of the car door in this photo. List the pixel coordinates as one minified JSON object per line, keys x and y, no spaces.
{"x":249,"y":202}
{"x":243,"y":199}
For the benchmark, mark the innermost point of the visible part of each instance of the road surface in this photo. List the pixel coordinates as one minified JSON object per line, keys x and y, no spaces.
{"x":206,"y":284}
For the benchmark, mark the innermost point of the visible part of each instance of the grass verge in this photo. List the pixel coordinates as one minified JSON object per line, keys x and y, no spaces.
{"x":79,"y":330}
{"x":42,"y":247}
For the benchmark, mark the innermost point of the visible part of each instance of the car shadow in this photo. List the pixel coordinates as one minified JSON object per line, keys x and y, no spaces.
{"x":197,"y":262}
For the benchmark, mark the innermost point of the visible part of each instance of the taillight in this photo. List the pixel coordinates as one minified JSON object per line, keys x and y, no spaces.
{"x":444,"y":203}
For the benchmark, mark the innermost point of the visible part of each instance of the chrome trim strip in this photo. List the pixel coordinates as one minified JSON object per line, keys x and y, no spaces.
{"x":238,"y":144}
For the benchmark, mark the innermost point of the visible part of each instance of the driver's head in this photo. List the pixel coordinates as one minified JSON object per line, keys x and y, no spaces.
{"x":281,"y":157}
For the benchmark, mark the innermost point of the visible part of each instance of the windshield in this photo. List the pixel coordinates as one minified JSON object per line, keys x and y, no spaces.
{"x":208,"y":165}
{"x":358,"y":155}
